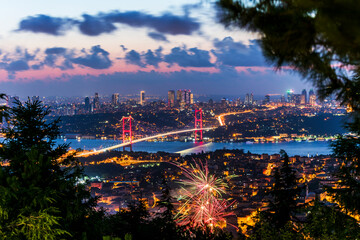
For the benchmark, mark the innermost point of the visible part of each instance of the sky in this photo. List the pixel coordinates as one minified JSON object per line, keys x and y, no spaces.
{"x":76,"y":48}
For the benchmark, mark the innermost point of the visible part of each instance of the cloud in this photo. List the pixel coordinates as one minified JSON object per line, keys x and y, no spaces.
{"x":52,"y":59}
{"x":45,"y":24}
{"x":158,"y":36}
{"x":18,"y":65}
{"x":192,"y":57}
{"x":133,"y":57}
{"x":98,"y":58}
{"x":19,"y":61}
{"x":153,"y":58}
{"x":55,"y":50}
{"x":231,"y":53}
{"x":166,"y":23}
{"x":94,"y":25}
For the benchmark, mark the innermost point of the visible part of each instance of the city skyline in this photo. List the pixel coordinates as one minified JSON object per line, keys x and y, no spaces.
{"x":50,"y":49}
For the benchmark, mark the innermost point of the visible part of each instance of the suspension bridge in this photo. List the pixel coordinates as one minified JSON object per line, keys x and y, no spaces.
{"x":127,"y":134}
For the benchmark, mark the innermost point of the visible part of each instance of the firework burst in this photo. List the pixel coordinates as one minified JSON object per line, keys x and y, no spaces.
{"x":201,"y":202}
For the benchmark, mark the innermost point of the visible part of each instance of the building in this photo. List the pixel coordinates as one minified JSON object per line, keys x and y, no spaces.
{"x":247,"y":99}
{"x":115,"y":99}
{"x":184,"y":98}
{"x":96,"y":102}
{"x":290,"y":98}
{"x":142,"y":98}
{"x":224,"y":102}
{"x":178,"y":97}
{"x":296,"y":98}
{"x":87,"y":104}
{"x":312,"y":98}
{"x":187,"y":97}
{"x":267,"y":99}
{"x":171,"y":98}
{"x":303,"y":97}
{"x":282,"y":99}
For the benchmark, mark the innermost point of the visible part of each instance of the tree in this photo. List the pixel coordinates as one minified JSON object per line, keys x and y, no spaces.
{"x":320,"y":39}
{"x":347,"y":195}
{"x":39,"y":189}
{"x":328,"y":222}
{"x":279,"y":218}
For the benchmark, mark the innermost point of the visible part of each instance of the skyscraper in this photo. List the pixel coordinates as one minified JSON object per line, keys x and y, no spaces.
{"x":187,"y":96}
{"x":303,"y":97}
{"x":290,"y":94}
{"x":142,"y":98}
{"x":178,"y":97}
{"x":312,"y":98}
{"x":171,"y":98}
{"x":87,"y":104}
{"x":267,"y":99}
{"x":96,"y":102}
{"x":247,"y":99}
{"x":115,"y":99}
{"x":251,"y":99}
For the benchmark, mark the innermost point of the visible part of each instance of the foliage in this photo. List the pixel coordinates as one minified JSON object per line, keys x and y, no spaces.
{"x":279,"y":219}
{"x":283,"y":195}
{"x":328,"y":222}
{"x":347,"y":150}
{"x":39,"y":190}
{"x":320,"y":39}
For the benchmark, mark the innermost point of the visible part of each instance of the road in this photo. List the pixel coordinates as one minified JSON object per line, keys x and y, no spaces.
{"x":221,"y":116}
{"x":138,"y":140}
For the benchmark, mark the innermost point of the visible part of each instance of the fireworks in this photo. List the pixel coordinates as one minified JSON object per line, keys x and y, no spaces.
{"x":201,"y":202}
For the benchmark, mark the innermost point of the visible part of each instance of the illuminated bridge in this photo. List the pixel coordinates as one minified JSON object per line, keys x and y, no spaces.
{"x":139,"y":140}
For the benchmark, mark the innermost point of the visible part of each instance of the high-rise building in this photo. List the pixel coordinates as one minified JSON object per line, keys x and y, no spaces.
{"x":251,"y":99}
{"x":247,"y":99}
{"x":115,"y":99}
{"x":312,"y":98}
{"x":187,"y":97}
{"x":267,"y":99}
{"x":184,"y":97}
{"x":303,"y":100}
{"x":290,"y":94}
{"x":87,"y":104}
{"x":142,"y":98}
{"x":224,"y":102}
{"x":171,"y":98}
{"x":296,"y":98}
{"x":96,"y":102}
{"x":282,"y":99}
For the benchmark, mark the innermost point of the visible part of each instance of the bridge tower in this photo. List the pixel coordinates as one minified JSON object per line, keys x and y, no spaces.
{"x":127,"y":131}
{"x":198,"y":126}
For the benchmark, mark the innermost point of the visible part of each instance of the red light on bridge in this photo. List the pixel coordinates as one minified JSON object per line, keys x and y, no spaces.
{"x":198,"y":126}
{"x":127,"y":131}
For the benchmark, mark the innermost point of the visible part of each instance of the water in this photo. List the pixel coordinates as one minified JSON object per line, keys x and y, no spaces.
{"x":292,"y":148}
